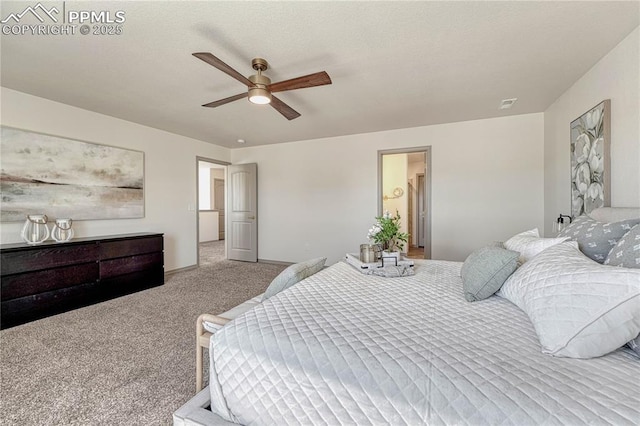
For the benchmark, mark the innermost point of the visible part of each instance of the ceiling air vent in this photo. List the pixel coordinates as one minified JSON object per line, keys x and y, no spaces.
{"x":507,"y":103}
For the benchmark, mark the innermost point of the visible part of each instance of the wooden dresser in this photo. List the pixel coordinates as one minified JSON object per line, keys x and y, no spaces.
{"x":50,"y":278}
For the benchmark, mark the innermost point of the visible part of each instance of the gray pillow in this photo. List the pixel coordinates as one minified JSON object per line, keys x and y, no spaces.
{"x":293,"y":274}
{"x":485,"y":270}
{"x":627,"y":251}
{"x":596,"y":239}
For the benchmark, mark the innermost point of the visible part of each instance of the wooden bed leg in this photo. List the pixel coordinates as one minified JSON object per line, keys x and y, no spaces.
{"x":199,"y":356}
{"x":199,"y":353}
{"x":202,"y":342}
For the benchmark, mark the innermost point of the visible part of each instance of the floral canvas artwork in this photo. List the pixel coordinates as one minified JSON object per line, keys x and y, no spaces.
{"x":590,"y":139}
{"x":61,"y":177}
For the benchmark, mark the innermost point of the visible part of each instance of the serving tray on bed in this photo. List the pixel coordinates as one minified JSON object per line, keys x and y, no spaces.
{"x":354,"y":260}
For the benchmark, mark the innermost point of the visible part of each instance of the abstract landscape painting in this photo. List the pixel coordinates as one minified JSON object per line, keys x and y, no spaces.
{"x":67,"y":178}
{"x":590,"y":170}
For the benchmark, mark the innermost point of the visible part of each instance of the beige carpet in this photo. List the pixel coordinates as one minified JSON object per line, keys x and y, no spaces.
{"x":127,"y":361}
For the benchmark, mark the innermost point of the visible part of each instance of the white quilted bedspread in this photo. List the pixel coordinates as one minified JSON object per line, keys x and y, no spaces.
{"x":344,"y":348}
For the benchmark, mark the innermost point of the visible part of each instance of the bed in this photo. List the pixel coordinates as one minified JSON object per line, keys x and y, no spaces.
{"x":341,"y":347}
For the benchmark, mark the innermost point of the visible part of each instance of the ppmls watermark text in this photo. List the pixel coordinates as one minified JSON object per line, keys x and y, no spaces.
{"x":60,"y":18}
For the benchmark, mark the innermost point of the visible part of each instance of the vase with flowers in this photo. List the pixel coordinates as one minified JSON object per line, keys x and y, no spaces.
{"x":386,"y":233}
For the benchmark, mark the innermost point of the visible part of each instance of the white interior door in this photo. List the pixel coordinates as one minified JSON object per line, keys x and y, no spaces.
{"x":242,"y":209}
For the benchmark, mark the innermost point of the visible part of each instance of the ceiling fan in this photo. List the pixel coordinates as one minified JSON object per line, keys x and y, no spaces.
{"x":260,"y":86}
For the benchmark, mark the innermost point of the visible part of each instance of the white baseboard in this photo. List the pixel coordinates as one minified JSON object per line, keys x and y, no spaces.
{"x":275,"y":262}
{"x":175,"y":271}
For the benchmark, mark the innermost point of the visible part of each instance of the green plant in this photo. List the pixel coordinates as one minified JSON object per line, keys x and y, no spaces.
{"x":386,"y":231}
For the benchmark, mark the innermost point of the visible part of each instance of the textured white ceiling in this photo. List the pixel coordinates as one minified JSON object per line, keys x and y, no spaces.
{"x":393,"y":64}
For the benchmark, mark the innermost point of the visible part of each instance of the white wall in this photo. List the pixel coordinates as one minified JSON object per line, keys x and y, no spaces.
{"x":208,"y":230}
{"x":170,"y":170}
{"x":615,"y":77}
{"x":204,"y":189}
{"x":319,"y":197}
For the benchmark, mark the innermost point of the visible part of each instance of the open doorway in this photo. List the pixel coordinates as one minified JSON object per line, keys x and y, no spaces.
{"x":211,"y":208}
{"x":404,"y":182}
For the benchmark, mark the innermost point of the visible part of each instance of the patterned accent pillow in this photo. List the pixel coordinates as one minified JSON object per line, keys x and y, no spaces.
{"x":627,"y":252}
{"x":529,"y":244}
{"x":596,"y":239}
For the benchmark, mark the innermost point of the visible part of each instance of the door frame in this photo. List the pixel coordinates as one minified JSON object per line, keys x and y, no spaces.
{"x":427,"y":187}
{"x":222,"y":163}
{"x":424,"y":200}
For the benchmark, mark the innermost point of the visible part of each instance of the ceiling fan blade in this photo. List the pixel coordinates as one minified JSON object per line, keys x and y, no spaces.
{"x":213,"y":61}
{"x":311,"y":80}
{"x":284,"y":109}
{"x":225,"y":100}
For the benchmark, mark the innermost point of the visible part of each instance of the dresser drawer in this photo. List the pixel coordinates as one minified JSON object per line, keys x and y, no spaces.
{"x":126,"y":265}
{"x":29,"y":308}
{"x":39,"y":258}
{"x":130,"y":283}
{"x":30,"y":283}
{"x":114,"y":249}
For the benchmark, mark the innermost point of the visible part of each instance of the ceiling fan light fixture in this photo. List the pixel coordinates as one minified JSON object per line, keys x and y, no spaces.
{"x":259,"y":95}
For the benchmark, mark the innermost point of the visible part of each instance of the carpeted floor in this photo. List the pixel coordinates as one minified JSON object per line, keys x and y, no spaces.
{"x":127,"y":361}
{"x":211,"y":252}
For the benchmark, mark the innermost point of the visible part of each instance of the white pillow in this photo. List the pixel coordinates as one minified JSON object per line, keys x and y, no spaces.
{"x":529,"y":244}
{"x":578,"y":307}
